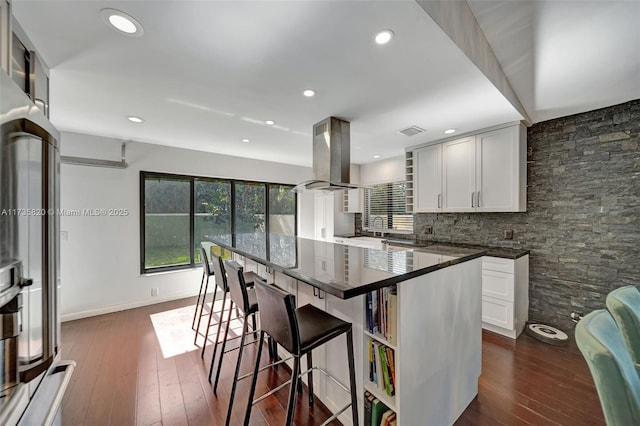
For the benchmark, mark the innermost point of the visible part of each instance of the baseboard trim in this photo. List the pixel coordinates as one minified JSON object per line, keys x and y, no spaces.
{"x":124,"y":306}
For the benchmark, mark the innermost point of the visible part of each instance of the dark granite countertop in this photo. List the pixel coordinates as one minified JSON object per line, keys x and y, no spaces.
{"x":342,"y":270}
{"x":503,"y":252}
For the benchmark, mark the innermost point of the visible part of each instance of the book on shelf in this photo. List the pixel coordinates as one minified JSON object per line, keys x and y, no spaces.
{"x":392,"y":368}
{"x":385,"y":420}
{"x":379,"y":372}
{"x":370,"y":311}
{"x":368,"y":400}
{"x":392,"y":314}
{"x":391,"y":420}
{"x":382,"y":313}
{"x":373,"y":377}
{"x":382,"y":367}
{"x":385,"y":370}
{"x":377,"y":410}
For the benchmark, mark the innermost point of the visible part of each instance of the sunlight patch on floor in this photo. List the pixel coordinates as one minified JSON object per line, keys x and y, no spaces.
{"x":174,"y":333}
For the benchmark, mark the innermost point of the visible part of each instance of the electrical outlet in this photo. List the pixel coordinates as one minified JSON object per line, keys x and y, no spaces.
{"x":428,"y":229}
{"x":155,"y":291}
{"x":508,"y":234}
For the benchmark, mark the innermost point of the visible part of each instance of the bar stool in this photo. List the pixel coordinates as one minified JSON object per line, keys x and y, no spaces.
{"x":220,"y":276}
{"x":245,"y":299}
{"x":299,"y":331}
{"x":207,"y":271}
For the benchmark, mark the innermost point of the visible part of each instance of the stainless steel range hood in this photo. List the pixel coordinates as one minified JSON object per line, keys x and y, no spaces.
{"x":331,"y":157}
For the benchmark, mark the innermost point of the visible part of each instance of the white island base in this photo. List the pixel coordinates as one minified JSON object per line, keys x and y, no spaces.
{"x":438,"y":351}
{"x":439,"y":344}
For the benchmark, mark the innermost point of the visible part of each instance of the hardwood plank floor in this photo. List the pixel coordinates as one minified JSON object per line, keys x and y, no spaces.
{"x":123,"y":377}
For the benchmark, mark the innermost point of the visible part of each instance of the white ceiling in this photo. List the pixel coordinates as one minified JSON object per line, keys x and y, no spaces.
{"x":208,"y":73}
{"x":565,"y":57}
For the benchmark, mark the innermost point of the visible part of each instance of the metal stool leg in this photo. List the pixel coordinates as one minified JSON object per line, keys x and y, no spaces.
{"x":206,"y":335}
{"x":291,"y":407}
{"x":195,"y":314}
{"x":254,"y":379}
{"x":245,"y":327}
{"x":224,"y":343}
{"x":204,"y":301}
{"x":309,"y":378}
{"x":352,"y":378}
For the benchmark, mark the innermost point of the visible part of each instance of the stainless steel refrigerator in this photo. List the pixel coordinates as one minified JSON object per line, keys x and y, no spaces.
{"x":32,"y":376}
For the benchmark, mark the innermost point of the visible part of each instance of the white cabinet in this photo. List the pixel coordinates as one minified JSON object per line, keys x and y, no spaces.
{"x":459,"y":175}
{"x":478,"y":173}
{"x":323,"y":216}
{"x":5,"y":35}
{"x":427,"y":184}
{"x":353,"y":200}
{"x":501,"y":173}
{"x":505,"y":294}
{"x":328,"y":216}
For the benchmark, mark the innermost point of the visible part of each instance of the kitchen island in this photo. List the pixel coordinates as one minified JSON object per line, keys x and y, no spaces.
{"x":436,"y":344}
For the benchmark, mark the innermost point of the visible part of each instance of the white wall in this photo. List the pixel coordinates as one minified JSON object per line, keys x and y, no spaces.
{"x":100,"y":257}
{"x":383,"y":171}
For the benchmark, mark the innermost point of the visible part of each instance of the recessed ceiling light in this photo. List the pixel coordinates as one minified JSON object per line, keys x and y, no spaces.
{"x":245,"y":140}
{"x":309,"y":93}
{"x":122,"y":22}
{"x":449,"y":131}
{"x":376,"y":156}
{"x":270,"y":122}
{"x":384,"y":36}
{"x":135,"y":119}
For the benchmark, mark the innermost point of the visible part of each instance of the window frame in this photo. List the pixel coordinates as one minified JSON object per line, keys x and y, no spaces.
{"x":366,"y":225}
{"x":191,"y":179}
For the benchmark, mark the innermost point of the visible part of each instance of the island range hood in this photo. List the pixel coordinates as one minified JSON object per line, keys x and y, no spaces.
{"x":331,"y":157}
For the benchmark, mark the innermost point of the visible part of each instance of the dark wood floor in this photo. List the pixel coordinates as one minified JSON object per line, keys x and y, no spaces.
{"x":123,"y":378}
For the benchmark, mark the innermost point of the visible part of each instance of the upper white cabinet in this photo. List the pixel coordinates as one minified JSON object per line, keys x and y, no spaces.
{"x":501,"y":170}
{"x":353,"y":200}
{"x":459,"y":175}
{"x":323,"y":217}
{"x":5,"y":35}
{"x":478,"y":173}
{"x":427,"y":189}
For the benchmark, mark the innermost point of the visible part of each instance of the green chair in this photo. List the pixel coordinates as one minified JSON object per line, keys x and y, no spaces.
{"x":611,"y":366}
{"x":624,"y":305}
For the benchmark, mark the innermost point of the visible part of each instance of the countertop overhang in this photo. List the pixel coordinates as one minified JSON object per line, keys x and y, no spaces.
{"x":342,"y":270}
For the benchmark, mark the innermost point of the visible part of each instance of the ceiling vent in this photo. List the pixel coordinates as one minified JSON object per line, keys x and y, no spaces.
{"x":411,"y":131}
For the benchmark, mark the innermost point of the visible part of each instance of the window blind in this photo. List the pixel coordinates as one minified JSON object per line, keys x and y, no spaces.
{"x":386,"y":208}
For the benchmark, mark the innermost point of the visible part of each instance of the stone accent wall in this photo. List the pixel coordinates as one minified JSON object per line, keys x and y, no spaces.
{"x":582,"y":223}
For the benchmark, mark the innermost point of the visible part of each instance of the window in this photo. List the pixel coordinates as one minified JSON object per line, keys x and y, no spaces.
{"x":386,"y":208}
{"x":166,"y":218}
{"x":282,"y":223}
{"x":212,"y":207}
{"x":250,"y":210}
{"x":177,"y":212}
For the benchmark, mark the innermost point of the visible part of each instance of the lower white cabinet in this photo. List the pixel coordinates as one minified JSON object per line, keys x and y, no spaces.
{"x":505,"y":295}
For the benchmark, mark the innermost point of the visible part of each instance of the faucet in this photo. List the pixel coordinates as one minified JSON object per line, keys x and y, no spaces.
{"x":373,"y":223}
